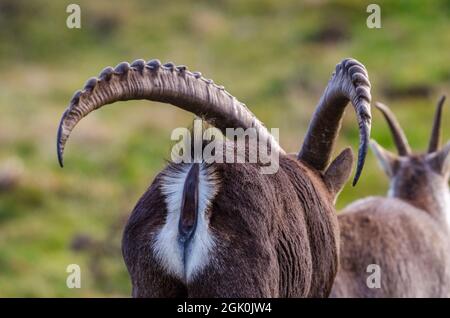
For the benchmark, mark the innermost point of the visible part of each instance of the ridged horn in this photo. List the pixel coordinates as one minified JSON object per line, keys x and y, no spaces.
{"x":436,"y":130}
{"x":401,"y":142}
{"x":163,"y":83}
{"x":349,"y":82}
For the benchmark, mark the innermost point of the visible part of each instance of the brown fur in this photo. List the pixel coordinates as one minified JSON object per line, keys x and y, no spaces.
{"x":407,"y":234}
{"x":410,"y":246}
{"x":281,"y":241}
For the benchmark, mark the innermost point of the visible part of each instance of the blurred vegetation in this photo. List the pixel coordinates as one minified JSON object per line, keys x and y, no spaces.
{"x":276,"y":56}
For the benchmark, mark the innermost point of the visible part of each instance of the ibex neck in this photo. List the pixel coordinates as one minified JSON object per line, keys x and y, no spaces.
{"x":434,"y":199}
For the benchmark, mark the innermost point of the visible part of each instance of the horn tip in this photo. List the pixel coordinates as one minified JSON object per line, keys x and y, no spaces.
{"x":358,"y":173}
{"x":60,"y":160}
{"x":362,"y":153}
{"x":59,"y":138}
{"x":359,"y":168}
{"x":59,"y":150}
{"x":356,"y":177}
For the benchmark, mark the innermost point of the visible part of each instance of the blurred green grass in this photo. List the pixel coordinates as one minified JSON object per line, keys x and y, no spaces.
{"x":276,"y":56}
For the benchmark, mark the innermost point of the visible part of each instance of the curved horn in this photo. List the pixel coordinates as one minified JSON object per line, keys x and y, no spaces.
{"x":349,"y":82}
{"x":401,"y":142}
{"x":163,"y":83}
{"x":436,"y":130}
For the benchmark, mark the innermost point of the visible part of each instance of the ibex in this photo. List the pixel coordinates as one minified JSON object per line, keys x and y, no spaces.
{"x":406,"y":234}
{"x":225,"y":229}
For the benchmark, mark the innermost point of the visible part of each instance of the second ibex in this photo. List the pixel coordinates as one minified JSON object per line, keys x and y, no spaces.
{"x":407,"y":234}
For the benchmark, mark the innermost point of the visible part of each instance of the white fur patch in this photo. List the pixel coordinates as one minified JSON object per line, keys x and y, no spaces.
{"x":446,"y":207}
{"x":180,"y":261}
{"x":441,"y":195}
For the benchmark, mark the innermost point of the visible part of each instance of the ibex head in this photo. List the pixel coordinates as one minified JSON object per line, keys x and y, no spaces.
{"x":418,"y":178}
{"x":225,"y":229}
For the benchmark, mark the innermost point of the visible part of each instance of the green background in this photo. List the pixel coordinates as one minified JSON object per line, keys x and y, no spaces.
{"x":276,"y":56}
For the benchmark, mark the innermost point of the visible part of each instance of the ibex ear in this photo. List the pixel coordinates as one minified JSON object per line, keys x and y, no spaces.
{"x":387,"y":160}
{"x":440,"y":161}
{"x":339,"y":171}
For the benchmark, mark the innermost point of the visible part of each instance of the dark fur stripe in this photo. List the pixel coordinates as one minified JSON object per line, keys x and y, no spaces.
{"x":189,"y":204}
